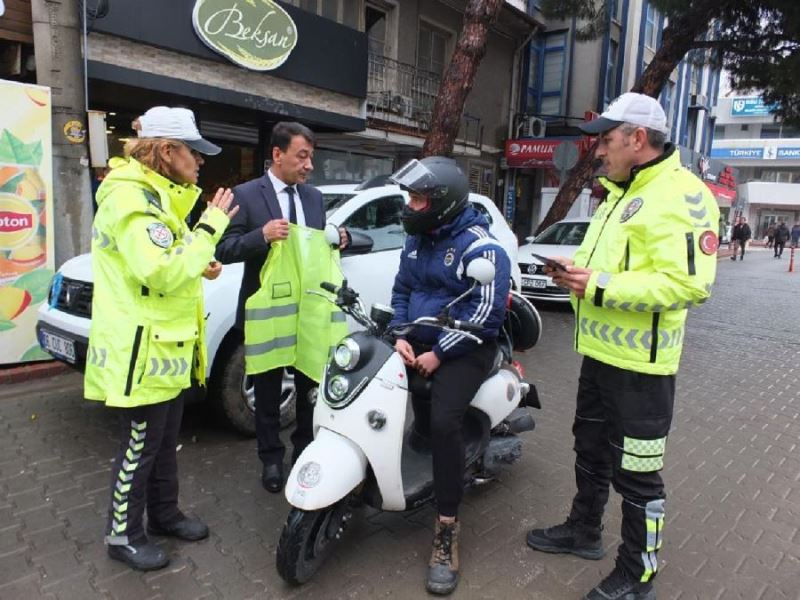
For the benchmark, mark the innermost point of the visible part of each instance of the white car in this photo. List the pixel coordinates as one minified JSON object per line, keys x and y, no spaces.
{"x":560,"y":239}
{"x":373,"y":218}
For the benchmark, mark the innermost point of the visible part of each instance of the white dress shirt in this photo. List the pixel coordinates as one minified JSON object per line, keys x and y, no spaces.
{"x":283,"y":198}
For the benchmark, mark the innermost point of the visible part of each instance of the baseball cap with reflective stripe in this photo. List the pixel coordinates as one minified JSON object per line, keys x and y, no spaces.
{"x":175,"y":124}
{"x":637,"y":109}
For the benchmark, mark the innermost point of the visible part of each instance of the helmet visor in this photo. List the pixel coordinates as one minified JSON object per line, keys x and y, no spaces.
{"x":416,"y":177}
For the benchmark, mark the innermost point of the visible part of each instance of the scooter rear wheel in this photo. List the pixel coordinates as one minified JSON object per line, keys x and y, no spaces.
{"x":308,"y":539}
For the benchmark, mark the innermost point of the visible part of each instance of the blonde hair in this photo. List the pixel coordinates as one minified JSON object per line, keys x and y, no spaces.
{"x":148,"y":151}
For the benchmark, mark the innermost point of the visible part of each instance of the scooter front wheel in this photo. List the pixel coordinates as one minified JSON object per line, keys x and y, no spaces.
{"x":308,"y":539}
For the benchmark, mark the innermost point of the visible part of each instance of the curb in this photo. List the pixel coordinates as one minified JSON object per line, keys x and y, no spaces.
{"x":31,"y":371}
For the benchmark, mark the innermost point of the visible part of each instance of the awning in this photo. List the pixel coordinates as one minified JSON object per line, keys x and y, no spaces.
{"x":725,"y":196}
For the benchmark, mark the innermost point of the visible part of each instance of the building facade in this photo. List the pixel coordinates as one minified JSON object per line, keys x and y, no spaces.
{"x":567,"y":80}
{"x":767,"y":155}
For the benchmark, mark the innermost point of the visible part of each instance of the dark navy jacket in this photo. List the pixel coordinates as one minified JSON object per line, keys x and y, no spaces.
{"x":433,"y":272}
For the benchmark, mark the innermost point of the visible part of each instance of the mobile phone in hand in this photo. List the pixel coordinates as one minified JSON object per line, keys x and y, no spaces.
{"x":550,"y":262}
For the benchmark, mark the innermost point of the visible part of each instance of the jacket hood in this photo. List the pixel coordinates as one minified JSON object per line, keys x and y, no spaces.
{"x":127,"y":172}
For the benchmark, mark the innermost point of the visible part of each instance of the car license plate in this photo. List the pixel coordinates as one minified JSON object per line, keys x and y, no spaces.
{"x":55,"y":344}
{"x":530,"y":282}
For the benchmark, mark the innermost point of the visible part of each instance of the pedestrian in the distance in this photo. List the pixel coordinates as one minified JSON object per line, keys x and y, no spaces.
{"x":648,"y":255}
{"x":147,"y":338}
{"x":741,"y":235}
{"x":795,"y":234}
{"x":782,"y":235}
{"x":770,"y":235}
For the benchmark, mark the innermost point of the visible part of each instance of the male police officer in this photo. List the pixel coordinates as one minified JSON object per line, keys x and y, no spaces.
{"x":648,"y":255}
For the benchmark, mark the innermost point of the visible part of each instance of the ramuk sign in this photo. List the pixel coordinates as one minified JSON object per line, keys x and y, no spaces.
{"x":537,"y":153}
{"x":256,"y":34}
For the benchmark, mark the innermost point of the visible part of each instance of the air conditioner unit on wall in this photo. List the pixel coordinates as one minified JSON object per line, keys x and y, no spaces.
{"x":403,"y":105}
{"x":534,"y":127}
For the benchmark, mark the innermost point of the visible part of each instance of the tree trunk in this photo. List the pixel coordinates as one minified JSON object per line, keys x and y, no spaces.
{"x":460,"y":75}
{"x":679,"y":37}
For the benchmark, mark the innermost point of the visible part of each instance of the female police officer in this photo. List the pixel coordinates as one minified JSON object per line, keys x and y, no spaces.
{"x":146,"y":342}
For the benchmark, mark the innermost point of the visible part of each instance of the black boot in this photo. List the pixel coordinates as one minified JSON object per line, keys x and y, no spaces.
{"x":186,"y":529}
{"x":621,"y":586}
{"x":443,"y":568}
{"x":142,"y":555}
{"x":570,"y":537}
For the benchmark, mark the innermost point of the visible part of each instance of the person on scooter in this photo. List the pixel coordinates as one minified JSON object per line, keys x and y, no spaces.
{"x":445,"y":234}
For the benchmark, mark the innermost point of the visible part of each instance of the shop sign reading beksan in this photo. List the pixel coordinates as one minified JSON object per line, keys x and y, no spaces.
{"x":255,"y":34}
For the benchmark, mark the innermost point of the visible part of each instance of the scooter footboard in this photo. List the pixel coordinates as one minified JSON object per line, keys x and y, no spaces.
{"x":327,"y":470}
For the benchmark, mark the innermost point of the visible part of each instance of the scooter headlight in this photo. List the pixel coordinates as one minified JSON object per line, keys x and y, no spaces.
{"x":337,"y":387}
{"x":346,"y":354}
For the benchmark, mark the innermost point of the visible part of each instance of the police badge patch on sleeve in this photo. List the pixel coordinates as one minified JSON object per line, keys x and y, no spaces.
{"x":709,"y":242}
{"x":631,"y":209}
{"x":160,"y":235}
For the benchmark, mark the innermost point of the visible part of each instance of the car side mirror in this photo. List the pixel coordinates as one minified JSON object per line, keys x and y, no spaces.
{"x":481,"y":270}
{"x":332,"y":235}
{"x":360,"y":243}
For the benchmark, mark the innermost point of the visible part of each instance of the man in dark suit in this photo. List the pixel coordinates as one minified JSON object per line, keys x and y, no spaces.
{"x":266,"y":207}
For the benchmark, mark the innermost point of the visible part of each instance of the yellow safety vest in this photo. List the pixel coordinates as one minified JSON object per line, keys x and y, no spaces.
{"x":652,"y":251}
{"x":147,"y":336}
{"x":283,"y":325}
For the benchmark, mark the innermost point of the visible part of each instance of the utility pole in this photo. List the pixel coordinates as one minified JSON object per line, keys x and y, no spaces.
{"x":57,"y":33}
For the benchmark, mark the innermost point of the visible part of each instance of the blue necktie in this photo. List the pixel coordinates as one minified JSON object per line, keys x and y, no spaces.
{"x":292,"y":207}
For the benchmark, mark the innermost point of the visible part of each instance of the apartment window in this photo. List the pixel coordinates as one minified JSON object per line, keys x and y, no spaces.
{"x":651,"y":27}
{"x":770,"y":131}
{"x":431,"y":48}
{"x":375,"y":27}
{"x":719,"y":132}
{"x":546,"y":74}
{"x":341,"y":11}
{"x":667,"y":100}
{"x":611,"y":71}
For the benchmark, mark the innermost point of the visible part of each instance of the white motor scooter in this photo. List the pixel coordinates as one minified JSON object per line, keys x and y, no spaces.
{"x":363,"y":450}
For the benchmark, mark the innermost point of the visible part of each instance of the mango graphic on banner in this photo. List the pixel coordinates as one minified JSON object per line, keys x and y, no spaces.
{"x":13,"y":302}
{"x":26,"y":241}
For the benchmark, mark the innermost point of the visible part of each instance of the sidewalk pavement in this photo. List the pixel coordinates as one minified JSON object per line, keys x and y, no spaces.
{"x":732,"y":475}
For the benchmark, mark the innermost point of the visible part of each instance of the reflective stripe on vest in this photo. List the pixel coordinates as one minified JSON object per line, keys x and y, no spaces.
{"x":284,"y":325}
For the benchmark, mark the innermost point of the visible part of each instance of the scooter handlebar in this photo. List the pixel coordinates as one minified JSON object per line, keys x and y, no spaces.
{"x":467,"y":326}
{"x":329,"y":287}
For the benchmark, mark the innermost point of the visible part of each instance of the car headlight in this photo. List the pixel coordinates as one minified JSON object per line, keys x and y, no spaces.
{"x":337,"y":387}
{"x":347,"y":354}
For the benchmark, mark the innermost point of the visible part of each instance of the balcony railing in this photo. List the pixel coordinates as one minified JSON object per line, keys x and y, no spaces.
{"x":400,"y":96}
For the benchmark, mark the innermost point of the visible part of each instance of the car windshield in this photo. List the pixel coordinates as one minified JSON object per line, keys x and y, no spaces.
{"x":563,"y":234}
{"x":335,"y":200}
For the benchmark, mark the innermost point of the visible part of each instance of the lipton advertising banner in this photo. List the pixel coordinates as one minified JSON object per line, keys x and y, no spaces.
{"x":26,"y":209}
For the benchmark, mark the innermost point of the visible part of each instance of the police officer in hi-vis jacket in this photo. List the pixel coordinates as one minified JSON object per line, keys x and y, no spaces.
{"x":147,"y":338}
{"x":649,"y":255}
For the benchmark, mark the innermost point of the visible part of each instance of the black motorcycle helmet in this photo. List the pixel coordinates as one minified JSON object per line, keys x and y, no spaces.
{"x":439,"y":179}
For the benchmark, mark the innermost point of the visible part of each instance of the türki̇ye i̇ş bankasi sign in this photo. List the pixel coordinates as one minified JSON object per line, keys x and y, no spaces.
{"x":255,"y":34}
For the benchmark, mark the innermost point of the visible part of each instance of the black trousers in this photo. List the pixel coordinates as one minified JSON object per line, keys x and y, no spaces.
{"x":454,"y":385}
{"x":622,"y":420}
{"x":779,"y":246}
{"x":268,"y":416}
{"x":145,"y":472}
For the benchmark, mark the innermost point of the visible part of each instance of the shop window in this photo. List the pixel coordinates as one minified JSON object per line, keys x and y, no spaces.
{"x":380,"y":220}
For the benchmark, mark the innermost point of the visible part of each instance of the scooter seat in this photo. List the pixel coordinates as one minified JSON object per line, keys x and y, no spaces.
{"x":420,"y":386}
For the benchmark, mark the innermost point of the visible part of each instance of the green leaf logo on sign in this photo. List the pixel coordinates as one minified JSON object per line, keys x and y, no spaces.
{"x":255,"y":34}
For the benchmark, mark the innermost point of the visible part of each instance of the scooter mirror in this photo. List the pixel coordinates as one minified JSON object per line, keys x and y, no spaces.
{"x":332,"y":235}
{"x":481,"y":270}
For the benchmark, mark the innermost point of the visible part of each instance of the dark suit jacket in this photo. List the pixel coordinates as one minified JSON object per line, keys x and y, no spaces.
{"x":243,"y":239}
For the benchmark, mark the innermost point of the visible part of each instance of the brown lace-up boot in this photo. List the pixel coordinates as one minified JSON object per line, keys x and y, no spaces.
{"x":443,"y":568}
